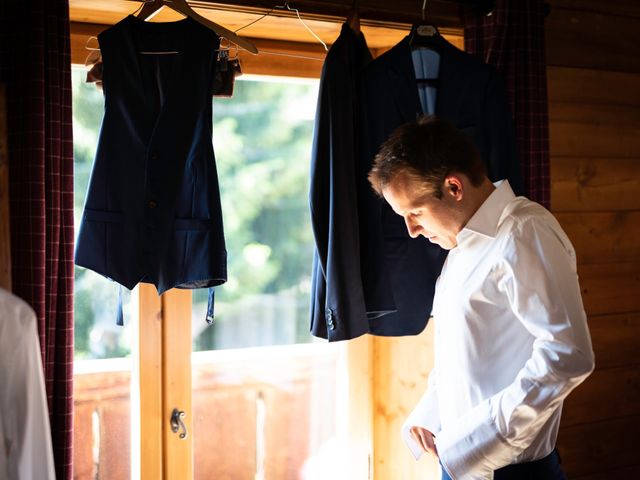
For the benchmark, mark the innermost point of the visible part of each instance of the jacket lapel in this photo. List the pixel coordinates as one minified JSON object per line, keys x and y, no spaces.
{"x":403,"y":78}
{"x":451,"y":83}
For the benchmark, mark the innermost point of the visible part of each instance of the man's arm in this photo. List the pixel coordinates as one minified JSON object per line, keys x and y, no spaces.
{"x":539,"y":280}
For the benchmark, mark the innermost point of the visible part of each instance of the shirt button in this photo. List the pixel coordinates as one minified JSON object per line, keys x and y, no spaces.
{"x":152,"y":204}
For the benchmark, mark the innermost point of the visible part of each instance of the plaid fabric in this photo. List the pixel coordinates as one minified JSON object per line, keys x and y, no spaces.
{"x":35,"y":64}
{"x":512,"y":40}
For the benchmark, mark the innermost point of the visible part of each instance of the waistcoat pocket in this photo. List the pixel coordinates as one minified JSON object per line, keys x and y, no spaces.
{"x":101,"y":235}
{"x":198,"y":251}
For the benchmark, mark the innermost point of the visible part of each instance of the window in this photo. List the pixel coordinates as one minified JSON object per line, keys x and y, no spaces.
{"x":259,"y":387}
{"x":262,"y":140}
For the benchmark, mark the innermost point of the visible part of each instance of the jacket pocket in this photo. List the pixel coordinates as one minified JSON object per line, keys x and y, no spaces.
{"x":101,"y":235}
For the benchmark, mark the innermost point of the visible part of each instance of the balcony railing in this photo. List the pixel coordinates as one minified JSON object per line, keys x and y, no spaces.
{"x":258,"y":413}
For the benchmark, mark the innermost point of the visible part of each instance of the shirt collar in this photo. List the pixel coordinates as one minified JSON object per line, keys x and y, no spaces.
{"x":487,"y":218}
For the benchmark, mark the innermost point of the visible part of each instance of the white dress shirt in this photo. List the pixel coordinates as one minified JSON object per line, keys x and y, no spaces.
{"x":25,"y":439}
{"x":511,"y":340}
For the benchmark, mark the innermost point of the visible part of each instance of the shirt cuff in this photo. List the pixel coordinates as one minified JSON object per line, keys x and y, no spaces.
{"x":470,"y":448}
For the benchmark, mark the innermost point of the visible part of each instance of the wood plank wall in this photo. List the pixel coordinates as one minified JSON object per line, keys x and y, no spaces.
{"x":593,"y":69}
{"x":5,"y":240}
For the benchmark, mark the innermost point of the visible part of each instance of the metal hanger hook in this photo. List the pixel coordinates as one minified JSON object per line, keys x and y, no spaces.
{"x":424,"y":5}
{"x":297,"y":12}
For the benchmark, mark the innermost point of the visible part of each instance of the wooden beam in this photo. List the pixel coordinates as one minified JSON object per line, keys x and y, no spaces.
{"x":292,"y":59}
{"x":445,"y":13}
{"x":276,"y":57}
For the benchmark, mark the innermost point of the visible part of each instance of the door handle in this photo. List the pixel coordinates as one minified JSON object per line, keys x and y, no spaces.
{"x":177,"y":423}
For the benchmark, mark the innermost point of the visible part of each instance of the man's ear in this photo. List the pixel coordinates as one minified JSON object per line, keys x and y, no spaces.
{"x":454,"y":186}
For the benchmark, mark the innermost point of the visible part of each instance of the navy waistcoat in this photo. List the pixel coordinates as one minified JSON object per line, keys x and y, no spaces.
{"x":152,"y":211}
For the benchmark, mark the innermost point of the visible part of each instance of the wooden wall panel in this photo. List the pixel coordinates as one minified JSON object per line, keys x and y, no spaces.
{"x":587,"y":401}
{"x":599,"y":447}
{"x":610,"y":7}
{"x":593,"y":72}
{"x":592,"y":40}
{"x":593,"y":86}
{"x":631,"y":473}
{"x":594,"y":184}
{"x":578,"y":139}
{"x":5,"y":232}
{"x":619,"y":116}
{"x":614,"y":236}
{"x":400,"y":377}
{"x":610,"y":287}
{"x":616,"y":339}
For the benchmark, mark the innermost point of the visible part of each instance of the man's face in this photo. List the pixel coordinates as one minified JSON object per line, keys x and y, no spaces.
{"x":436,"y":219}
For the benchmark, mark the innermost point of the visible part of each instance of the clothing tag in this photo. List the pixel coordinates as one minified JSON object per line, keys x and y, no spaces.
{"x":426,"y":30}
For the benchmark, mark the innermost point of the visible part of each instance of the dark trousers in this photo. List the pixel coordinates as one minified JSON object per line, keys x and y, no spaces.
{"x":547,"y":468}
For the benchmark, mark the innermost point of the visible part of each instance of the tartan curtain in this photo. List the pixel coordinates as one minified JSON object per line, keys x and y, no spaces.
{"x":512,"y":40}
{"x":35,"y":65}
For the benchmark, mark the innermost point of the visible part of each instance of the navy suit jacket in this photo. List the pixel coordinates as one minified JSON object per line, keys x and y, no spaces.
{"x":337,"y":301}
{"x":369,"y":276}
{"x":398,"y":272}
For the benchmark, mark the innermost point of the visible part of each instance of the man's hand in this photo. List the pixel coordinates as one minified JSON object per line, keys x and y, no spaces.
{"x":424,"y":438}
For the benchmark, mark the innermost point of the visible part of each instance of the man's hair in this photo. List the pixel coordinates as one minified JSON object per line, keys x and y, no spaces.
{"x":426,"y":151}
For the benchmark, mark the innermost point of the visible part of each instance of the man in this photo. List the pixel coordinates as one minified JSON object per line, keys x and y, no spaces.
{"x":511,"y":337}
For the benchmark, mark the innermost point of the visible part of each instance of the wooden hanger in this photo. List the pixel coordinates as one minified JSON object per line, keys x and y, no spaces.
{"x":151,"y":8}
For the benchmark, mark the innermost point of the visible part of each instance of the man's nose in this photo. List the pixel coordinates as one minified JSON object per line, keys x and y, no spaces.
{"x":413,"y":227}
